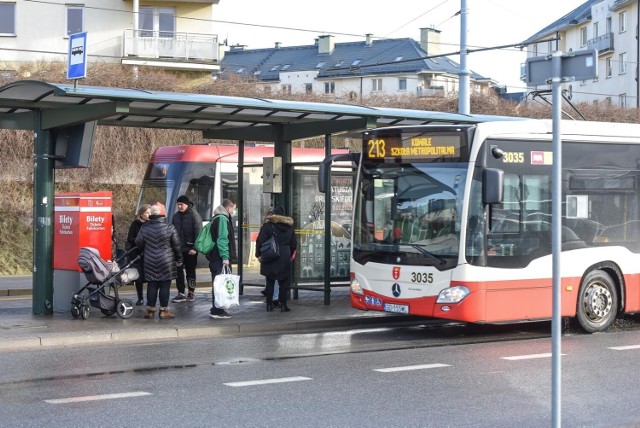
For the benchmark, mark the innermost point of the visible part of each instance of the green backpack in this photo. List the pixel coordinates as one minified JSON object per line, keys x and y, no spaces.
{"x":204,"y":243}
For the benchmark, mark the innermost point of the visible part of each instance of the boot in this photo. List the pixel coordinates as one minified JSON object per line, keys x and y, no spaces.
{"x":283,"y":305}
{"x":269,"y":304}
{"x":165,"y":314}
{"x":151,"y":313}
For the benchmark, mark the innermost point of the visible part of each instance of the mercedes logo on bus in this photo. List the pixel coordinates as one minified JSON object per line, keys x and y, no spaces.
{"x":395,"y":289}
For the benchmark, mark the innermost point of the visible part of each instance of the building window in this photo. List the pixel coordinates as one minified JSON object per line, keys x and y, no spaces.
{"x":609,"y":25}
{"x":308,"y":88}
{"x":329,"y":87}
{"x":8,"y":19}
{"x":376,"y":85}
{"x":355,"y":62}
{"x":75,"y":19}
{"x":320,"y":64}
{"x":274,"y":68}
{"x":286,"y":89}
{"x":157,"y":22}
{"x":623,"y":100}
{"x":402,"y":84}
{"x":286,"y":66}
{"x":608,"y":67}
{"x":583,"y":36}
{"x":595,"y":30}
{"x":622,"y":58}
{"x":622,"y":22}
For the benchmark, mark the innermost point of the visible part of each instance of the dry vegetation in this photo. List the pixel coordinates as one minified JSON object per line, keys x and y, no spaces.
{"x":120,"y":154}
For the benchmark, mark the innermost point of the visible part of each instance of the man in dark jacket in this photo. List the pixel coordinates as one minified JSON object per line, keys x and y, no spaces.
{"x":160,"y":245}
{"x":188,"y":223}
{"x":224,"y":253}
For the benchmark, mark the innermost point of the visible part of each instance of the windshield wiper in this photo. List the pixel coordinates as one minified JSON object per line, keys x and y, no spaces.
{"x":442,"y":260}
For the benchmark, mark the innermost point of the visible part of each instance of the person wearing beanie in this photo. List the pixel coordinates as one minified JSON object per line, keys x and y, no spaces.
{"x":160,"y":245}
{"x":188,"y":223}
{"x":281,"y":227}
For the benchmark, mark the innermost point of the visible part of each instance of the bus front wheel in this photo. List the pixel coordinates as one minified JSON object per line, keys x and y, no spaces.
{"x":597,"y":302}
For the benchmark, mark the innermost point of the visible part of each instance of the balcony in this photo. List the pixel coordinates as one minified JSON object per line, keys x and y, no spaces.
{"x":170,"y":46}
{"x":602,"y":44}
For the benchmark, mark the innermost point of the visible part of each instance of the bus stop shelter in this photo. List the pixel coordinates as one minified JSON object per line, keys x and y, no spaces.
{"x":44,"y":108}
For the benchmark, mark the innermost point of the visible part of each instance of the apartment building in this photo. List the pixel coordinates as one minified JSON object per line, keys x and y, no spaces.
{"x":174,"y":35}
{"x":610,"y":27}
{"x":353,"y":70}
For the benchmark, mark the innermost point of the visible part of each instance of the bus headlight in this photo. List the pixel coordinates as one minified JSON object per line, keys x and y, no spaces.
{"x":355,"y":287}
{"x":453,"y":294}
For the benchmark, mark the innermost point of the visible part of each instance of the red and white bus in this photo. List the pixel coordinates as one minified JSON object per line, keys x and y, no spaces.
{"x":454,"y":222}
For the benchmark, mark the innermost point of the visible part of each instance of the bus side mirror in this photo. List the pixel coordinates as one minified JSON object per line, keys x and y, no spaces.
{"x":325,"y":168}
{"x":493,"y":180}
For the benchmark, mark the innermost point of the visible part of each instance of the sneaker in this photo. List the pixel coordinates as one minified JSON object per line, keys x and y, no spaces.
{"x":220,"y":315}
{"x":179,"y":298}
{"x":191,"y":297}
{"x":140,"y":302}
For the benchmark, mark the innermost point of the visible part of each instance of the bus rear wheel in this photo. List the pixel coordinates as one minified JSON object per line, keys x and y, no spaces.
{"x":597,"y":302}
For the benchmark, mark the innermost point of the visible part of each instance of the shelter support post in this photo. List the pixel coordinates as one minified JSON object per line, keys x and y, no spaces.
{"x":241,"y":210}
{"x":43,"y":201}
{"x":327,"y":226}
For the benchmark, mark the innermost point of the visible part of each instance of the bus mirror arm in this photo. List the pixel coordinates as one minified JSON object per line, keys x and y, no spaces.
{"x":325,"y":168}
{"x":492,"y":190}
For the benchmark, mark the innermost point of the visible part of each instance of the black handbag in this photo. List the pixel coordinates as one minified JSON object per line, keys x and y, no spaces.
{"x":269,"y":251}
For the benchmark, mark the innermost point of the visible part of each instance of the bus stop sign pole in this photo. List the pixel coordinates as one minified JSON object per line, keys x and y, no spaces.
{"x":557,"y":69}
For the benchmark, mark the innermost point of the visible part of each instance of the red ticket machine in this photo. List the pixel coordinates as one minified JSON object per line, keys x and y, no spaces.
{"x":80,"y":220}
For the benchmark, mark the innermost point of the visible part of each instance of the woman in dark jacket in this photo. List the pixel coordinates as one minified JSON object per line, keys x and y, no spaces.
{"x":141,"y":217}
{"x":278,"y":269}
{"x":161,"y":247}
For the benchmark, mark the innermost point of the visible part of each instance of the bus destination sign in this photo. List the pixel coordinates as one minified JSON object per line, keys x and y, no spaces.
{"x":413,"y":147}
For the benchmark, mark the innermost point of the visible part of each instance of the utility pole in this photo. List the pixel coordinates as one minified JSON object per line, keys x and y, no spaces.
{"x":463,"y":75}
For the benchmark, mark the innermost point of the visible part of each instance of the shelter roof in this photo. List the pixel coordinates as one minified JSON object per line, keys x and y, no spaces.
{"x":220,"y":117}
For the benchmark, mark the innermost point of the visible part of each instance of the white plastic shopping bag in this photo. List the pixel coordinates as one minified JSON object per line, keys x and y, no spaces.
{"x":226,"y":289}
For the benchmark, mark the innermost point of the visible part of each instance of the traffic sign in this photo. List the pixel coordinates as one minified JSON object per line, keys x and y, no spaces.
{"x":581,"y":65}
{"x":77,"y":60}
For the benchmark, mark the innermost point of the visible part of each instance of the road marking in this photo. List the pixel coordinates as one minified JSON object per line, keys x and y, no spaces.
{"x":407,"y":368}
{"x":96,"y":397}
{"x":268,"y":381}
{"x":624,"y":348}
{"x":528,"y":357}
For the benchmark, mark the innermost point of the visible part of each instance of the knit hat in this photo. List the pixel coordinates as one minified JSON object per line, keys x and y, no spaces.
{"x":158,"y":209}
{"x":184,"y":199}
{"x":278,"y":211}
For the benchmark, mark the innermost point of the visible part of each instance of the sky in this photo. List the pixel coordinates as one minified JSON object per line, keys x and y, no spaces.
{"x":260,"y":24}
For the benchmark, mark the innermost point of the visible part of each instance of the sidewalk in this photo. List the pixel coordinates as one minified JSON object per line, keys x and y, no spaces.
{"x":21,"y":330}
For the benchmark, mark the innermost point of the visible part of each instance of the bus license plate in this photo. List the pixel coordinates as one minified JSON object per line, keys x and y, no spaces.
{"x":398,"y":309}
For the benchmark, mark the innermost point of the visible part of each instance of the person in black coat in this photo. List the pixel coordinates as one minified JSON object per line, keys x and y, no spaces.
{"x":141,"y":217}
{"x":278,"y":269}
{"x":188,"y":223}
{"x":160,"y":245}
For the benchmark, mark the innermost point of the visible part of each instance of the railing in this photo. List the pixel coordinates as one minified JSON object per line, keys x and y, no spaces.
{"x":602,"y":43}
{"x":170,"y":45}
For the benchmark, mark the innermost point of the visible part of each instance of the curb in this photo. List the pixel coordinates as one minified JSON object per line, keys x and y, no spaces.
{"x":144,"y":335}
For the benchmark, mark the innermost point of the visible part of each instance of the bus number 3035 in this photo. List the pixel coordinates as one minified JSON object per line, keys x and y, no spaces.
{"x":426,"y":278}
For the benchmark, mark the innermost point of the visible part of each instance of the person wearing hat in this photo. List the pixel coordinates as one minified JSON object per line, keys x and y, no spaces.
{"x":188,"y":223}
{"x":160,"y":245}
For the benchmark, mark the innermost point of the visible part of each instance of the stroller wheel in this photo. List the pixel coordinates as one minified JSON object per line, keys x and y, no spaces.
{"x":75,"y":311}
{"x":107,"y":312}
{"x":84,"y":311}
{"x":124,"y":308}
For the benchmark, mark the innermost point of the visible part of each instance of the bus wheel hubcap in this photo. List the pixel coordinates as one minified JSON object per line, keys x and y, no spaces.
{"x":597,"y":301}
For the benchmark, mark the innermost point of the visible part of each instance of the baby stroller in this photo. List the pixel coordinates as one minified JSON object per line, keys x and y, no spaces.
{"x":105,"y":278}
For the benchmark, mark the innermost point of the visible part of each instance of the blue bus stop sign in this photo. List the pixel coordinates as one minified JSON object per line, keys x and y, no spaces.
{"x":77,"y":61}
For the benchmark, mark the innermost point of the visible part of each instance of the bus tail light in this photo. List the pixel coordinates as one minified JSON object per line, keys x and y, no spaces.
{"x":450,"y":295}
{"x":355,"y":286}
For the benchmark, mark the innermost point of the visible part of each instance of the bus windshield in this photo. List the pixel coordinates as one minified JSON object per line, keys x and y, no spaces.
{"x":409,"y":214}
